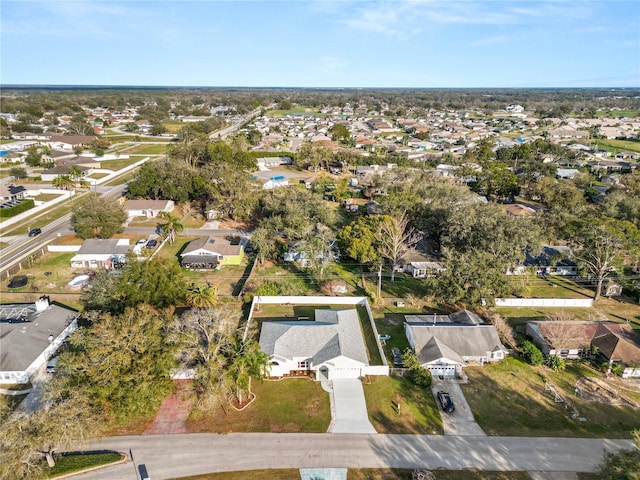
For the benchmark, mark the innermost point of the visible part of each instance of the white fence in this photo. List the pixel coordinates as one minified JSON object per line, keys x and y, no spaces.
{"x":63,"y":248}
{"x":544,"y":302}
{"x":322,"y":300}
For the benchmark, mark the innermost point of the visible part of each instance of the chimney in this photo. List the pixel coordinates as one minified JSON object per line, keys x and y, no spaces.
{"x":42,"y":303}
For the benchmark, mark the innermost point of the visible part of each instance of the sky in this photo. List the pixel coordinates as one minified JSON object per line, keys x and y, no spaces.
{"x":300,"y":43}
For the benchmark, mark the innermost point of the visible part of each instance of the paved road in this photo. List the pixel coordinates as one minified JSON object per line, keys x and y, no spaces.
{"x":178,"y":455}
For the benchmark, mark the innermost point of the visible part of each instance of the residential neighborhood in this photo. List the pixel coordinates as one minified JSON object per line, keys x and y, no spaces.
{"x":356,"y":266}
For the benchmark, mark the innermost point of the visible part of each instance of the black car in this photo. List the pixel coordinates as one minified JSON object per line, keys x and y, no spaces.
{"x":396,"y":355}
{"x":445,"y":402}
{"x":34,"y":231}
{"x":151,"y":243}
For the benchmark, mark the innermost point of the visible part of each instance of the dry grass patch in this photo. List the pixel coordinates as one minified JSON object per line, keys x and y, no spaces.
{"x":509,"y":398}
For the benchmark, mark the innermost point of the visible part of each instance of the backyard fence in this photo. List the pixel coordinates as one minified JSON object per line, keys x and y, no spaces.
{"x":544,"y":302}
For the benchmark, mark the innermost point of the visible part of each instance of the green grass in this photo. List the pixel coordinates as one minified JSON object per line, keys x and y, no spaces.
{"x":154,"y":149}
{"x":419,"y":413}
{"x":553,"y":286}
{"x":75,"y":463}
{"x":47,"y":197}
{"x":620,"y":145}
{"x":119,"y":164}
{"x":509,"y":398}
{"x":618,"y":113}
{"x":289,"y":405}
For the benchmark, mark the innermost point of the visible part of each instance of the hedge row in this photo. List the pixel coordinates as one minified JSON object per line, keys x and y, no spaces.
{"x":23,"y":206}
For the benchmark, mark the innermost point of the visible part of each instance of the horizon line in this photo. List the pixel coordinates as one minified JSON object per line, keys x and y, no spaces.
{"x":121,"y":86}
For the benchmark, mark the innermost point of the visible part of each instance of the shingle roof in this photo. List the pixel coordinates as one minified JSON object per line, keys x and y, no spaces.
{"x":214,"y":245}
{"x":95,"y":246}
{"x":334,"y":333}
{"x":22,"y":342}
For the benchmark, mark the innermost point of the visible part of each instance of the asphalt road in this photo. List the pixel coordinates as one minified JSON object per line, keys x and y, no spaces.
{"x":178,"y":455}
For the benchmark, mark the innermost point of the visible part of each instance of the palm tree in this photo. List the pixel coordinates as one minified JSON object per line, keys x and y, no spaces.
{"x":202,"y":296}
{"x":247,"y":362}
{"x":75,"y":173}
{"x":63,"y":182}
{"x":171,"y":227}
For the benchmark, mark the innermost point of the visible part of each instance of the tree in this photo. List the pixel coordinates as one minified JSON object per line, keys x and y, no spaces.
{"x":204,"y":337}
{"x":98,"y":217}
{"x":603,"y":247}
{"x":531,"y":353}
{"x":339,"y":132}
{"x":247,"y":361}
{"x":419,"y":375}
{"x":63,"y":182}
{"x":33,"y":157}
{"x":395,"y":237}
{"x":75,"y":172}
{"x":622,"y":465}
{"x":157,"y":282}
{"x":171,"y":226}
{"x":202,"y":296}
{"x":121,"y":362}
{"x":264,"y":244}
{"x":26,"y":438}
{"x":18,"y":173}
{"x":103,"y":294}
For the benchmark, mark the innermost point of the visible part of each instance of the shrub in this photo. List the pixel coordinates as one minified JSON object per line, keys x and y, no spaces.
{"x":555,"y":363}
{"x":531,"y":353}
{"x":23,"y":206}
{"x":418,"y":375}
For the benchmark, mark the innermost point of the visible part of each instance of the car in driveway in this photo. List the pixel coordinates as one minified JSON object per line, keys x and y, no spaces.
{"x":396,"y":356}
{"x":34,"y":231}
{"x":444,"y":399}
{"x":151,"y":244}
{"x":141,"y":243}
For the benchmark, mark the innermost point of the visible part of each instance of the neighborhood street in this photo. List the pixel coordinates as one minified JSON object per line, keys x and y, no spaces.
{"x":179,"y":455}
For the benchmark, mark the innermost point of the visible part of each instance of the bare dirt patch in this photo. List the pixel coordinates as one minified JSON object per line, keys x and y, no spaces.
{"x":173,"y":413}
{"x":594,"y":389}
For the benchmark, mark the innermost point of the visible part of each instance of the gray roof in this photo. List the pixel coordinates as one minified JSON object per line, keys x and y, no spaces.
{"x":334,"y":333}
{"x":460,"y":334}
{"x":214,"y":245}
{"x":21,"y":342}
{"x":95,"y":246}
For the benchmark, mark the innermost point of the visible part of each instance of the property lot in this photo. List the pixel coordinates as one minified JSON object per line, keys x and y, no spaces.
{"x":509,"y":398}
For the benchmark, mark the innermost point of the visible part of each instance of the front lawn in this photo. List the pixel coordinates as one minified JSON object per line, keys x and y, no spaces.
{"x":509,"y":398}
{"x":419,"y":413}
{"x":289,"y":405}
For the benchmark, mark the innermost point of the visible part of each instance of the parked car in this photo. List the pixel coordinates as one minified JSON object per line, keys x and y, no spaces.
{"x":445,"y":402}
{"x":396,"y":355}
{"x":141,"y":243}
{"x":51,"y":366}
{"x":151,"y":243}
{"x":34,"y":231}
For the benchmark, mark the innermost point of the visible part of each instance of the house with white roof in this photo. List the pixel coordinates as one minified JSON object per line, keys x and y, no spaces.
{"x":331,"y":346}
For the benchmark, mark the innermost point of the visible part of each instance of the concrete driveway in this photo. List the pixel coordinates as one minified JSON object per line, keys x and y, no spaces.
{"x":349,"y":409}
{"x":460,"y":422}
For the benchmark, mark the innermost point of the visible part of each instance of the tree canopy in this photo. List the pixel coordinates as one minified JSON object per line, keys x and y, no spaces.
{"x":98,"y":217}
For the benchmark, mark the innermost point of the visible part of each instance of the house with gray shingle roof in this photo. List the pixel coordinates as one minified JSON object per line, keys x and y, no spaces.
{"x":332,"y":346}
{"x":101,"y":253}
{"x":444,"y":344}
{"x":30,"y":334}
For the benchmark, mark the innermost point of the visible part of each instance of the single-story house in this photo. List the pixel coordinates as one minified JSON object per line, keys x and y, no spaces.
{"x":30,"y":334}
{"x":566,"y":339}
{"x":148,"y":208}
{"x":11,"y":192}
{"x":273,"y":161}
{"x":213,"y":252}
{"x":423,"y":269}
{"x":298,"y":253}
{"x":331,"y":346}
{"x":519,"y":210}
{"x":613,"y":342}
{"x":552,"y":260}
{"x":99,"y":253}
{"x":86,"y":167}
{"x":67,"y":142}
{"x":618,"y":343}
{"x":445,"y":344}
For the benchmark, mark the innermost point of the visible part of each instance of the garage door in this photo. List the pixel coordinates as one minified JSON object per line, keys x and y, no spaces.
{"x":344,"y":373}
{"x":443,"y":371}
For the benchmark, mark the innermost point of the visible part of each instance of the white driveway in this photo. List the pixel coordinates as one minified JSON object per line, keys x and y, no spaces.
{"x":349,"y":409}
{"x":460,"y":422}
